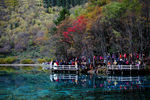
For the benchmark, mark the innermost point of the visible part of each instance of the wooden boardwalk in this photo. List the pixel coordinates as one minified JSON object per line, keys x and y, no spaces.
{"x":61,"y":67}
{"x":65,"y":68}
{"x":124,"y":67}
{"x":48,"y":67}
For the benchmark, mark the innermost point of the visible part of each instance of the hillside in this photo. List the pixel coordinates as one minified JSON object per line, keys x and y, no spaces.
{"x":73,"y":28}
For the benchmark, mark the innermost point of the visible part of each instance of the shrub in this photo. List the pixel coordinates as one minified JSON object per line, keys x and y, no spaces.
{"x":47,"y":59}
{"x":27,"y":61}
{"x":8,"y":60}
{"x":2,"y":60}
{"x":41,"y":60}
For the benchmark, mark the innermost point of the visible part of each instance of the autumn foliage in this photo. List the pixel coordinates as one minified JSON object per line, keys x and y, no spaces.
{"x":78,"y":27}
{"x":63,"y":28}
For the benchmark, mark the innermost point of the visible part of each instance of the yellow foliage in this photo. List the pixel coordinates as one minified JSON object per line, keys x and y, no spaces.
{"x":2,"y":61}
{"x":27,"y":61}
{"x":8,"y":60}
{"x":92,"y":15}
{"x":3,"y":23}
{"x":41,"y":60}
{"x":40,"y":40}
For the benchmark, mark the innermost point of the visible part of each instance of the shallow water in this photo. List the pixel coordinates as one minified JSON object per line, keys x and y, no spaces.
{"x":42,"y":85}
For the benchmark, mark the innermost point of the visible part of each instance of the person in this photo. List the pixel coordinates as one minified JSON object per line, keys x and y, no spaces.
{"x":51,"y":64}
{"x":89,"y":61}
{"x":91,"y":67}
{"x":101,"y":58}
{"x":127,"y":62}
{"x":120,"y":56}
{"x":120,"y":63}
{"x":113,"y":57}
{"x":109,"y":63}
{"x":125,"y":56}
{"x":57,"y":63}
{"x":76,"y":64}
{"x":72,"y":63}
{"x":137,"y":56}
{"x":115,"y":62}
{"x":137,"y":63}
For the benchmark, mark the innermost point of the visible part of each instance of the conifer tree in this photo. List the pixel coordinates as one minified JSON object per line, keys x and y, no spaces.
{"x":62,"y":15}
{"x":67,"y":4}
{"x":58,"y":2}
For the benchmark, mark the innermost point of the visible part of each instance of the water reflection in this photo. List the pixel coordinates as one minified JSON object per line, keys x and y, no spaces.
{"x":58,"y":77}
{"x":104,"y":82}
{"x":71,"y":86}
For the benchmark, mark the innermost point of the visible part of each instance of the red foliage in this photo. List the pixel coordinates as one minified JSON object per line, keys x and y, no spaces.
{"x":78,"y":26}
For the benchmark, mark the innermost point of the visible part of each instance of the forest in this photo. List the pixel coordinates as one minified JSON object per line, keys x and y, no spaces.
{"x":60,"y":29}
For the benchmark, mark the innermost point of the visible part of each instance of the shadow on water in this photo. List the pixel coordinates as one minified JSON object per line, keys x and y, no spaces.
{"x":43,"y":85}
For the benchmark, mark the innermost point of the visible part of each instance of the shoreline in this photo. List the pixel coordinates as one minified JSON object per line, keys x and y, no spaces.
{"x":22,"y":65}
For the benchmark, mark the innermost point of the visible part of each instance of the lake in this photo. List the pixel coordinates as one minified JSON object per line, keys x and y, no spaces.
{"x":37,"y":85}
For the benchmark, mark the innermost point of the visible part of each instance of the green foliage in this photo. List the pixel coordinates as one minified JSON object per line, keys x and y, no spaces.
{"x":26,"y":26}
{"x":48,"y":59}
{"x":27,"y":68}
{"x":77,"y":11}
{"x":27,"y":61}
{"x":2,"y":61}
{"x":8,"y":60}
{"x":62,"y":15}
{"x":132,"y":5}
{"x":7,"y":69}
{"x":41,"y":60}
{"x":99,"y":2}
{"x":114,"y":10}
{"x":11,"y":3}
{"x":64,"y":3}
{"x":116,"y":33}
{"x":30,"y":29}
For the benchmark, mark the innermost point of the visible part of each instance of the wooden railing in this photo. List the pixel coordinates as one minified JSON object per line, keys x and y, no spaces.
{"x":113,"y":78}
{"x":64,"y":76}
{"x":61,"y":67}
{"x":65,"y":67}
{"x":46,"y":67}
{"x":124,"y":67}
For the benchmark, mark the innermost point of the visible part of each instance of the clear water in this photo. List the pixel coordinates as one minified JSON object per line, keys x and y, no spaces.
{"x":44,"y":86}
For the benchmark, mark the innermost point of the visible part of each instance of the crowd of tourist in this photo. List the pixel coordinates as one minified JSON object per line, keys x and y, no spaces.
{"x":124,"y":59}
{"x":109,"y":59}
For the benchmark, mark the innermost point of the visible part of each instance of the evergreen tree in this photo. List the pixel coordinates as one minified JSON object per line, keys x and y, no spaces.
{"x":72,"y":3}
{"x":58,"y":2}
{"x":62,"y":15}
{"x":64,"y":3}
{"x":53,"y":2}
{"x":47,"y":3}
{"x":67,"y":4}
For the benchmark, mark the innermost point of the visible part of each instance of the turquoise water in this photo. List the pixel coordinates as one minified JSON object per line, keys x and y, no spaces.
{"x":45,"y":86}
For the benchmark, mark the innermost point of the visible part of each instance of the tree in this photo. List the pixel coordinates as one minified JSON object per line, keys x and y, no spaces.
{"x":78,"y":27}
{"x":58,"y":2}
{"x":73,"y":3}
{"x":62,"y":15}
